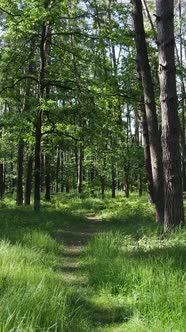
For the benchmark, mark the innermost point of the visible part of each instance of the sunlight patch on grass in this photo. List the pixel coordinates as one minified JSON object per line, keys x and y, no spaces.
{"x":149,"y":274}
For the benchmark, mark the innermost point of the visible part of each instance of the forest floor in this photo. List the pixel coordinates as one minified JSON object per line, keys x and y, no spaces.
{"x":90,"y":265}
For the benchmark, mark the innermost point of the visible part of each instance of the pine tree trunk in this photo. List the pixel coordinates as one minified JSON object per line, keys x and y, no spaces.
{"x":47,"y":177}
{"x":37,"y":177}
{"x":113,"y":180}
{"x":147,"y":156}
{"x":182,"y":126}
{"x":173,"y":213}
{"x":1,"y":180}
{"x":57,"y":169}
{"x":80,"y":170}
{"x":102,"y":179}
{"x":150,"y":107}
{"x":62,"y":172}
{"x":126,"y":185}
{"x":28,"y":185}
{"x":12,"y":181}
{"x":19,"y":197}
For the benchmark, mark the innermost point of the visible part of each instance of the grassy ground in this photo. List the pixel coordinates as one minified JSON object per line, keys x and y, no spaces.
{"x":90,"y":265}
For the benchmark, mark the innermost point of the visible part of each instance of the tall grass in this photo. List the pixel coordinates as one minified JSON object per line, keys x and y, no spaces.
{"x":149,"y":274}
{"x":136,"y":278}
{"x":33,"y":296}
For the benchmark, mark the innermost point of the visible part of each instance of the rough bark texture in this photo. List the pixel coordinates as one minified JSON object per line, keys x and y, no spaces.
{"x":173,"y":213}
{"x":147,"y":156}
{"x":150,"y":107}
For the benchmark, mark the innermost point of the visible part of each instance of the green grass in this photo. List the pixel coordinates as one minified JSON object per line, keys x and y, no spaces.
{"x":136,"y":277}
{"x":33,"y":296}
{"x":147,"y":274}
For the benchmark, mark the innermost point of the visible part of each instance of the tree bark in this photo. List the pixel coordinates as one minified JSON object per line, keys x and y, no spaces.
{"x":57,"y":169}
{"x":62,"y":172}
{"x":19,"y":197}
{"x":173,"y":213}
{"x":147,"y":156}
{"x":150,"y":107}
{"x":47,"y":177}
{"x":80,"y":170}
{"x":1,"y":180}
{"x":28,"y":185}
{"x":113,"y":180}
{"x":37,"y":171}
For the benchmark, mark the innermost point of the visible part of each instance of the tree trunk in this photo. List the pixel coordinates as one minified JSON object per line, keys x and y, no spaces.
{"x":113,"y":182}
{"x":62,"y":172}
{"x":126,"y":185}
{"x":180,"y":61}
{"x":150,"y":107}
{"x":28,"y":185}
{"x":173,"y":213}
{"x":37,"y":176}
{"x":19,"y":197}
{"x":1,"y":180}
{"x":140,"y":185}
{"x":147,"y":156}
{"x":12,"y":181}
{"x":47,"y":177}
{"x":102,"y":179}
{"x":44,"y":55}
{"x":80,"y":170}
{"x":57,"y":169}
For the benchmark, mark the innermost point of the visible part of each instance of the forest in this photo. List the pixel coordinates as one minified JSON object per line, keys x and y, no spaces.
{"x":92,"y":165}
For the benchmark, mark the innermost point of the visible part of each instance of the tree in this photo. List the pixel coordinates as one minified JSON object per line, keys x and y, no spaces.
{"x":150,"y":108}
{"x":173,"y":211}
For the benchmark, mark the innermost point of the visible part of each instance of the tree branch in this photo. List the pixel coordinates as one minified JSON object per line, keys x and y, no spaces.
{"x":8,"y":13}
{"x":59,"y":133}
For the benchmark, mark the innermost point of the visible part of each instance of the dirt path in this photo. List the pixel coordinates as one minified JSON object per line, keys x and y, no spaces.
{"x":103,"y":313}
{"x":74,"y":240}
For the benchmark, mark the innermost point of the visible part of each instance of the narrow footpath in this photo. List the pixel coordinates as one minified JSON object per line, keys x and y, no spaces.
{"x":74,"y":242}
{"x":105,"y":315}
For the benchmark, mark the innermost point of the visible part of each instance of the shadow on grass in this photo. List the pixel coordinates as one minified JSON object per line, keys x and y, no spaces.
{"x":15,"y":222}
{"x":176,"y":255}
{"x":105,"y":314}
{"x":134,"y":223}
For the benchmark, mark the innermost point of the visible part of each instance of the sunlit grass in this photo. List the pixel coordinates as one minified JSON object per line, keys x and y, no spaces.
{"x":136,"y":276}
{"x":148,"y":274}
